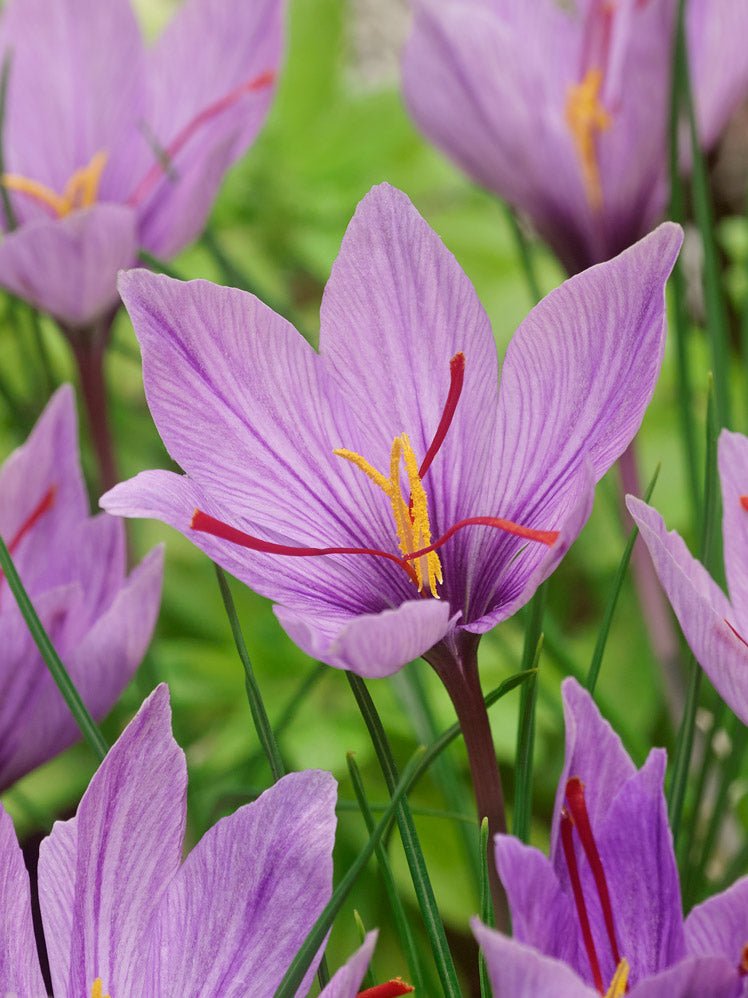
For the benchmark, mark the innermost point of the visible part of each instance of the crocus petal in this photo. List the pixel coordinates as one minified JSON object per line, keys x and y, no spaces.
{"x":718,"y":62}
{"x":522,"y":972}
{"x":267,"y":872}
{"x":19,"y":964}
{"x":692,"y":978}
{"x":76,"y":84}
{"x":719,"y":926}
{"x":700,"y":606}
{"x":374,"y":645}
{"x":733,"y":473}
{"x":187,"y":77}
{"x":129,"y":830}
{"x":68,"y":266}
{"x":347,"y":981}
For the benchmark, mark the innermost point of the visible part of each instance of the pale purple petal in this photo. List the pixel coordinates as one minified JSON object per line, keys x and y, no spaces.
{"x":129,"y":830}
{"x":19,"y":965}
{"x":700,"y":606}
{"x":733,"y":473}
{"x":719,"y":926}
{"x":372,"y":645}
{"x":68,"y":266}
{"x":692,"y":978}
{"x":519,"y":971}
{"x":210,"y":48}
{"x":242,"y":904}
{"x":57,"y":898}
{"x":347,"y":980}
{"x":76,"y":85}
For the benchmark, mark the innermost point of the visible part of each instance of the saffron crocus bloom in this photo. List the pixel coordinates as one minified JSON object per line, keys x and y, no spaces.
{"x":562,"y":108}
{"x":602,"y":915}
{"x":715,"y":627}
{"x":123,"y":915}
{"x":110,"y":147}
{"x":384,"y":493}
{"x":73,"y":567}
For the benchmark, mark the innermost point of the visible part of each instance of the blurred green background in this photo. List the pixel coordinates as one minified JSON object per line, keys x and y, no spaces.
{"x":338,"y":127}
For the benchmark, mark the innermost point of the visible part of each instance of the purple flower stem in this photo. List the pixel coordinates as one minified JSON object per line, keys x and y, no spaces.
{"x":458,"y":670}
{"x":89,"y":349}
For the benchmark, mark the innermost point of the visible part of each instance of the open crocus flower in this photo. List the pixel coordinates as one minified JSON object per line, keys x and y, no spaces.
{"x":124,"y":915}
{"x":562,"y":108}
{"x":383,"y":492}
{"x":715,"y":627}
{"x":602,"y":915}
{"x":73,"y":567}
{"x":110,"y":146}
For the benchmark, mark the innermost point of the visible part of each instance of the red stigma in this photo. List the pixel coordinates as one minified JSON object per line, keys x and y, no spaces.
{"x":567,"y":842}
{"x":578,"y":812}
{"x":548,"y":537}
{"x":456,"y":381}
{"x":744,"y":502}
{"x":42,"y":507}
{"x":162,"y":165}
{"x":737,"y":633}
{"x":743,"y":965}
{"x":391,"y":989}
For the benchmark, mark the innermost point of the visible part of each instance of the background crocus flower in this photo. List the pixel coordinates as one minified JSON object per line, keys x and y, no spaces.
{"x":562,"y":109}
{"x":715,"y":627}
{"x":602,"y":915}
{"x":74,"y":569}
{"x":110,"y":146}
{"x":123,"y":915}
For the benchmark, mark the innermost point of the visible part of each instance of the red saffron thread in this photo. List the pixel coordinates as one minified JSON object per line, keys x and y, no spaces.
{"x":548,"y":537}
{"x":744,"y":502}
{"x":567,"y":842}
{"x":42,"y":507}
{"x":390,"y":989}
{"x":456,"y":381}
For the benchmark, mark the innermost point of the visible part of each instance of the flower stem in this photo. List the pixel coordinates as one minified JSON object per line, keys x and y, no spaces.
{"x":89,"y":349}
{"x":458,"y":670}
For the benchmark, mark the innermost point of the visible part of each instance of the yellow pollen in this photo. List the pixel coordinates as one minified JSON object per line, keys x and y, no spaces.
{"x":620,"y":980}
{"x":412,"y":515}
{"x":81,"y":191}
{"x":97,"y":991}
{"x":585,"y":117}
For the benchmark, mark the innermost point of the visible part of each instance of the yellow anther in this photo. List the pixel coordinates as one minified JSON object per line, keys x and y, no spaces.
{"x":620,"y":980}
{"x":586,"y":117}
{"x":81,"y":191}
{"x":412,"y":515}
{"x":97,"y":991}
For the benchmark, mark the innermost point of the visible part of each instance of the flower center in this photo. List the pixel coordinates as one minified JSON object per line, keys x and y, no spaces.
{"x":97,"y":989}
{"x":81,"y":191}
{"x":574,"y":816}
{"x":411,"y":516}
{"x":42,"y":507}
{"x":586,"y":118}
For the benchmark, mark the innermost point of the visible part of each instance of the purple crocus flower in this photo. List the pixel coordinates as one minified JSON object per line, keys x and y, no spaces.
{"x":124,"y":915}
{"x":602,"y":915}
{"x":715,"y":627}
{"x":110,"y":146}
{"x":562,"y":108}
{"x":483,"y":490}
{"x":73,"y":567}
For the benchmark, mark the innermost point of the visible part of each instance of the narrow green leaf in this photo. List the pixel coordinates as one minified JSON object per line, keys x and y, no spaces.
{"x":486,"y":907}
{"x":70,"y":694}
{"x":524,"y":252}
{"x":256,"y":704}
{"x":400,"y":919}
{"x":316,"y":936}
{"x":610,"y":608}
{"x":525,"y":750}
{"x":369,"y":980}
{"x":411,"y":845}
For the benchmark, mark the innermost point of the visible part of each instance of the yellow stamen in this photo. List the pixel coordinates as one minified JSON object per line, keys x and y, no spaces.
{"x":620,"y":980}
{"x":81,"y":191}
{"x":411,"y":516}
{"x":585,"y":117}
{"x":97,"y":991}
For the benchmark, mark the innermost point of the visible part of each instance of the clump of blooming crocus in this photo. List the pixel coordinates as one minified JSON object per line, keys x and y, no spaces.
{"x":384,"y":492}
{"x":715,"y":627}
{"x":73,"y":567}
{"x":110,"y":146}
{"x":123,"y":914}
{"x":602,"y":915}
{"x":562,"y":109}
